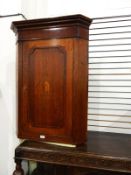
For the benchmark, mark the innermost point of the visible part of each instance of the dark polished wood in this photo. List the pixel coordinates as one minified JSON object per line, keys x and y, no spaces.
{"x":104,"y":153}
{"x":73,"y":26}
{"x":18,"y":170}
{"x":53,"y":78}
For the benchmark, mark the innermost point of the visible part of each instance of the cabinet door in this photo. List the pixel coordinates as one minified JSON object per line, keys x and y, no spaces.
{"x":45,"y":90}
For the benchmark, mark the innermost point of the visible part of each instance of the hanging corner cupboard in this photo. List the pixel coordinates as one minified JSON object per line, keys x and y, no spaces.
{"x":53,"y":78}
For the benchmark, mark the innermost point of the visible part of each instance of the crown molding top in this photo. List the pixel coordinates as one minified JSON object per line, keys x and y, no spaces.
{"x":63,"y":21}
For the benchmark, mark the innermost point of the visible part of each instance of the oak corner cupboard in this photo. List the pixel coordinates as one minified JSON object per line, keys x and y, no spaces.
{"x":53,"y":78}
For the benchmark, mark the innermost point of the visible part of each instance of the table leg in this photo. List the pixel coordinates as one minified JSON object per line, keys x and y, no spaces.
{"x":18,"y":169}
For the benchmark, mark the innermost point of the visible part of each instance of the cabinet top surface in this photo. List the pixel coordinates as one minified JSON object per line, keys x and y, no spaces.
{"x":107,"y":151}
{"x":62,"y":21}
{"x":98,"y":143}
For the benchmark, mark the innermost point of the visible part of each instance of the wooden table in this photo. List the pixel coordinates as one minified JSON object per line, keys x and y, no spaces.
{"x":104,"y":153}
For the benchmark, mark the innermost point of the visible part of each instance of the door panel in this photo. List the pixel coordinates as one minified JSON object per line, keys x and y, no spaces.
{"x":46,"y":89}
{"x":47,"y":84}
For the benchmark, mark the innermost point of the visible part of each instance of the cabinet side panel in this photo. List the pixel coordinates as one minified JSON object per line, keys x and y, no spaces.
{"x":20,"y":87}
{"x":80,"y":90}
